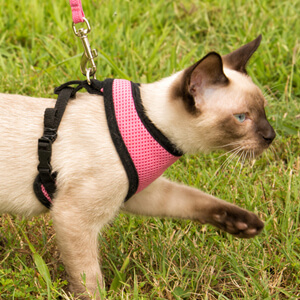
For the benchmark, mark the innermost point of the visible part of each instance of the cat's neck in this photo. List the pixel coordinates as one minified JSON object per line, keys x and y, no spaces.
{"x":168,"y":114}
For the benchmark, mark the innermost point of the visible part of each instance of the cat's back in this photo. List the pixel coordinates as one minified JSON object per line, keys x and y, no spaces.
{"x":83,"y":147}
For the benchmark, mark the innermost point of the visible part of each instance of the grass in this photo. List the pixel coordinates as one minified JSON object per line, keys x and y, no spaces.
{"x":149,"y":258}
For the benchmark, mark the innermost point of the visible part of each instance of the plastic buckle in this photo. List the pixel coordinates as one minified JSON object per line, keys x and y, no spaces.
{"x":44,"y":153}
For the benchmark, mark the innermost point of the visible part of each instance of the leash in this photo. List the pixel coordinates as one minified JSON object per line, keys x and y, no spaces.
{"x":77,"y":11}
{"x":87,"y":65}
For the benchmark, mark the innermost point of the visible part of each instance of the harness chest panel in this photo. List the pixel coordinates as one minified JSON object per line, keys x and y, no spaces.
{"x":149,"y":157}
{"x":143,"y":149}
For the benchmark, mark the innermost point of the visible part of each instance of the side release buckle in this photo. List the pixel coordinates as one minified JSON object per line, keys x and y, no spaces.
{"x":44,"y":153}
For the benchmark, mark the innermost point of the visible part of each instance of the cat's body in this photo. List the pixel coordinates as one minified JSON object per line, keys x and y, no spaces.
{"x":202,"y":108}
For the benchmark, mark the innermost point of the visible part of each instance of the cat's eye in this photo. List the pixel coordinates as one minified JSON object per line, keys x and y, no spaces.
{"x":240,"y":117}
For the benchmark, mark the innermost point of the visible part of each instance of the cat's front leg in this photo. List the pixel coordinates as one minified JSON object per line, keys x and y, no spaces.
{"x":164,"y":198}
{"x":77,"y":218}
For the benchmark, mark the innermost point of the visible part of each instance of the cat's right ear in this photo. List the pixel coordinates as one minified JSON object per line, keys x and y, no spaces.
{"x":238,"y":59}
{"x":205,"y":74}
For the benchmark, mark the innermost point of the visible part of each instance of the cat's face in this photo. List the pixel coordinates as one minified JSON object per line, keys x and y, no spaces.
{"x":226,"y":106}
{"x":237,"y":114}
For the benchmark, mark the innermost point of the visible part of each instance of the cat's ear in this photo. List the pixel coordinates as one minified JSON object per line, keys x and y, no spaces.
{"x":207,"y":73}
{"x":238,"y":59}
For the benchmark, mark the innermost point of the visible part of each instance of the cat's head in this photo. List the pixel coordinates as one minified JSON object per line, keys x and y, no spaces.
{"x":224,"y":103}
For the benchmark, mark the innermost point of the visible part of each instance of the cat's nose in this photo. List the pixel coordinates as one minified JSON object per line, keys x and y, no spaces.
{"x":268,"y":134}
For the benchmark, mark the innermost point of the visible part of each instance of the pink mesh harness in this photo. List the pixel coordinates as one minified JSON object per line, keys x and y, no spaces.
{"x":143,"y":149}
{"x":150,"y":158}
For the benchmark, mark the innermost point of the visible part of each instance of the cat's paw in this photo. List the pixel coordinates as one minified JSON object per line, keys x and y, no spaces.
{"x":236,"y":221}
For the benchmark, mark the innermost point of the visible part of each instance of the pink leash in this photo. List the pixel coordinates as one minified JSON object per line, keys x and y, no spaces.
{"x":77,"y":11}
{"x":87,"y":65}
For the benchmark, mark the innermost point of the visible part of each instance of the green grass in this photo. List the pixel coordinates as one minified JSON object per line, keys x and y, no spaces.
{"x":149,"y":258}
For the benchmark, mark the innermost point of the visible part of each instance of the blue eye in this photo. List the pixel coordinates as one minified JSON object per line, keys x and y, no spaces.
{"x":240,"y":117}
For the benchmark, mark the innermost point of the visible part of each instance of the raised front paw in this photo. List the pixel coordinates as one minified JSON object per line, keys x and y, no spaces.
{"x":237,"y":221}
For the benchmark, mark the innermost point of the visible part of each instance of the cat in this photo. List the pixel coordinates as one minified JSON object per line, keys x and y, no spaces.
{"x":211,"y":105}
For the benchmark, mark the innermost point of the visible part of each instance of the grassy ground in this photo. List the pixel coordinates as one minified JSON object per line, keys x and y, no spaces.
{"x":147,"y":258}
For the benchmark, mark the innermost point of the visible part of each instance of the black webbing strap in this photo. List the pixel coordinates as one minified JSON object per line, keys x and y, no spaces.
{"x":45,"y":182}
{"x":45,"y":185}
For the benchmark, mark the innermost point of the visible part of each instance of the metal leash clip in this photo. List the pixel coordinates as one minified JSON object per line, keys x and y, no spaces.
{"x":89,"y":54}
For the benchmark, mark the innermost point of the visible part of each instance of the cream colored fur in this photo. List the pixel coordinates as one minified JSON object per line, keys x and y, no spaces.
{"x":92,"y":183}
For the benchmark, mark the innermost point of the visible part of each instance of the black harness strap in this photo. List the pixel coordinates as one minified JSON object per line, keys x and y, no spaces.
{"x":45,"y":183}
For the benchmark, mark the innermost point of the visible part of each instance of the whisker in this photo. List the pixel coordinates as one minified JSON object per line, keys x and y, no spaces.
{"x":233,"y":155}
{"x":253,"y":160}
{"x":245,"y":158}
{"x":226,"y":153}
{"x":239,"y":153}
{"x":240,"y":159}
{"x":226,"y":145}
{"x":227,"y":161}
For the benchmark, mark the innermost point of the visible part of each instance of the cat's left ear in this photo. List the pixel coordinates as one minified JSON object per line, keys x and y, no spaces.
{"x":238,"y":59}
{"x":205,"y":74}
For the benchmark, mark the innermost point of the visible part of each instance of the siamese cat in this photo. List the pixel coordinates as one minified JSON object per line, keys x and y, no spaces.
{"x":211,"y":105}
